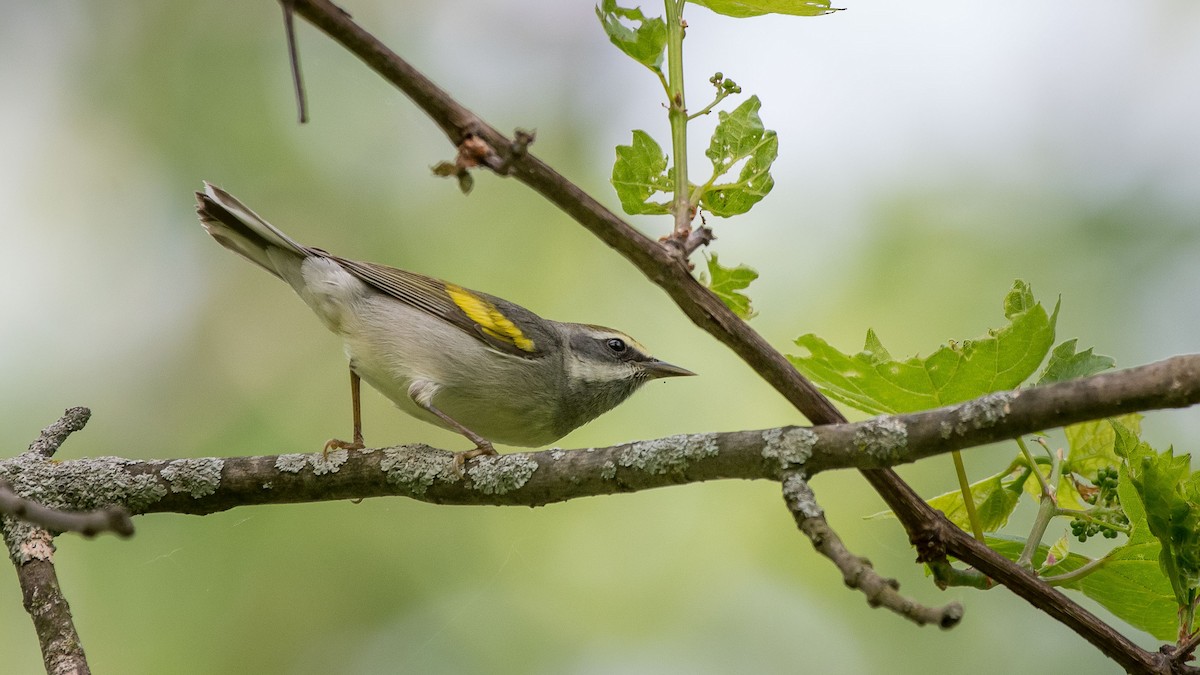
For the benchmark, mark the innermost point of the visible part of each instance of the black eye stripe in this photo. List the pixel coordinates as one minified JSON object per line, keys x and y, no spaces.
{"x":616,"y":344}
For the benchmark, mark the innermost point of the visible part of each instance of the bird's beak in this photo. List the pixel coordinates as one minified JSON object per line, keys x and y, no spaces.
{"x":656,"y":369}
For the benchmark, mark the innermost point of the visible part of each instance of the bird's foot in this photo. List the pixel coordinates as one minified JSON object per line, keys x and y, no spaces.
{"x":480,"y":449}
{"x":335,"y":444}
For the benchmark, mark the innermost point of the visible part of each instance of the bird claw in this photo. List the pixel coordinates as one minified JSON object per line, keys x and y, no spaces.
{"x":335,"y":444}
{"x":460,"y":458}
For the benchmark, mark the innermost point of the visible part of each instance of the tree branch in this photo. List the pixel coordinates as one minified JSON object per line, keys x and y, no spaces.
{"x":89,"y":523}
{"x":207,"y":485}
{"x":31,"y":550}
{"x":62,"y":652}
{"x":857,"y":572}
{"x":667,"y":268}
{"x":53,"y":436}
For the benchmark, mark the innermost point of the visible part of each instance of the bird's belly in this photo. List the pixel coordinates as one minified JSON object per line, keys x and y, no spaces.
{"x":391,"y":356}
{"x":499,"y":419}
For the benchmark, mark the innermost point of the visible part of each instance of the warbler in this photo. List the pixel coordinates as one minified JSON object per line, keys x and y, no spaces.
{"x":467,"y":361}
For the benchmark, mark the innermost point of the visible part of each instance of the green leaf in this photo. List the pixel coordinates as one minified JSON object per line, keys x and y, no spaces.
{"x":1133,"y":588}
{"x":741,"y":9}
{"x":1058,"y":552}
{"x":645,"y":42}
{"x":1167,"y":489}
{"x":876,"y":383}
{"x":1131,"y":583}
{"x":1091,"y":445}
{"x":1135,"y":511}
{"x":995,"y":499}
{"x":1128,"y":584}
{"x":727,"y":282}
{"x":1066,"y":364}
{"x":740,"y":135}
{"x":639,"y":172}
{"x":1067,"y":497}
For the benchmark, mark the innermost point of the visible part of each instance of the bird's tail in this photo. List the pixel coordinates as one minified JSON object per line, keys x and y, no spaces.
{"x":242,"y":231}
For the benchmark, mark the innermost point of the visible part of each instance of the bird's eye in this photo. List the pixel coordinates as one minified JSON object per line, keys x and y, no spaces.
{"x":616,"y":344}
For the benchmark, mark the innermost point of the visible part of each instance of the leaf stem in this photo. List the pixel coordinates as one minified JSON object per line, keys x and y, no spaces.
{"x":1076,"y":574}
{"x":1092,"y":515}
{"x":1033,"y":465}
{"x":721,"y":95}
{"x":1047,"y":511}
{"x":1187,"y":617}
{"x":946,"y":575}
{"x":677,"y":113}
{"x":968,"y":498}
{"x":662,"y":79}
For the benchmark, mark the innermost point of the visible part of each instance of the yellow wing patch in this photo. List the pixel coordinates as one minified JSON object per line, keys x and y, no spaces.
{"x":489,"y":318}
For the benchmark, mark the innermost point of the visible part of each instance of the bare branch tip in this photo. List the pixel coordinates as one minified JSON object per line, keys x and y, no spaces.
{"x":88,"y":523}
{"x":952,"y":614}
{"x":53,"y":436}
{"x":289,"y":29}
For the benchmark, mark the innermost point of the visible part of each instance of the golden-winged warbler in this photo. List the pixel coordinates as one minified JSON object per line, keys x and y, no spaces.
{"x":467,"y":361}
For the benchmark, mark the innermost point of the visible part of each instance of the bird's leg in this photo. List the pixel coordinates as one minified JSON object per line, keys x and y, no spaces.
{"x":357,"y":443}
{"x":422,"y":394}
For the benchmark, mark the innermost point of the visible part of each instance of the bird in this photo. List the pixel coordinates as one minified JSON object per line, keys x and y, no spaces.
{"x":486,"y":368}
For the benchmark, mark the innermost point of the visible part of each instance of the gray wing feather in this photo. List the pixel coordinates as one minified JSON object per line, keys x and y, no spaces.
{"x":429,"y":294}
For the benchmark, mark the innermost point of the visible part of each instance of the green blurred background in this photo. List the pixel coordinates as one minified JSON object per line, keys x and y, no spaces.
{"x":928,"y":157}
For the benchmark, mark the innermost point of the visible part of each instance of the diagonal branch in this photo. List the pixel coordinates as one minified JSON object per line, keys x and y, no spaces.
{"x":88,"y":523}
{"x":667,"y":268}
{"x":62,"y":652}
{"x":31,"y":550}
{"x":857,"y":572}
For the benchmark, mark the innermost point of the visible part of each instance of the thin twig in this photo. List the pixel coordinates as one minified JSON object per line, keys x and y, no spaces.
{"x":1033,"y":466}
{"x":1047,"y":510}
{"x":48,"y":442}
{"x":946,"y":575}
{"x":289,"y":29}
{"x":857,"y":572}
{"x":1183,"y":652}
{"x":1075,"y":574}
{"x":88,"y":523}
{"x":964,"y":486}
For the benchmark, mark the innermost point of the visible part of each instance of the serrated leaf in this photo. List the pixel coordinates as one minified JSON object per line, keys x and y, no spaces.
{"x":644,"y":43}
{"x":1131,"y":583}
{"x":956,"y":372}
{"x":639,"y":172}
{"x":995,"y":499}
{"x":1091,"y":445}
{"x":875,"y":349}
{"x":1057,"y":553}
{"x":741,"y":9}
{"x":1066,"y":364}
{"x":740,"y":135}
{"x":1019,"y":299}
{"x":1166,"y":488}
{"x":728,"y":282}
{"x":1128,"y":584}
{"x":1131,"y":504}
{"x":1132,"y":587}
